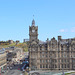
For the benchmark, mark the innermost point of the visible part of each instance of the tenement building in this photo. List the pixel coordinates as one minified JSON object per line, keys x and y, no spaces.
{"x":52,"y":54}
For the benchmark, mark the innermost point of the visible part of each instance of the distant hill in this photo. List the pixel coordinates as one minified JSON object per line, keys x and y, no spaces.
{"x":20,"y":45}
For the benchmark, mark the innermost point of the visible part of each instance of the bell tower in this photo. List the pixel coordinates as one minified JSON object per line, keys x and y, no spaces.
{"x":33,"y":33}
{"x":33,"y":45}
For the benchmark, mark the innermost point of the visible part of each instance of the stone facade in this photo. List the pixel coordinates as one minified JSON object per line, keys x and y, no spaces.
{"x":52,"y":54}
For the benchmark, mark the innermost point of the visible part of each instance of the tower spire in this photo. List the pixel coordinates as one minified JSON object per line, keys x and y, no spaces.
{"x":33,"y":21}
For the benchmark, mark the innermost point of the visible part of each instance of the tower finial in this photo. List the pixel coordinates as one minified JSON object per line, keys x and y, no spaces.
{"x":33,"y":21}
{"x":33,"y":16}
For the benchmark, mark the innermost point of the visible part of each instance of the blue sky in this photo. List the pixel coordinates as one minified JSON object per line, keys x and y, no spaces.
{"x":53,"y":17}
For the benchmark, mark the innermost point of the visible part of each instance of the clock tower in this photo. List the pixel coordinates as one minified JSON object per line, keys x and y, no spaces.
{"x":33,"y":45}
{"x":33,"y":33}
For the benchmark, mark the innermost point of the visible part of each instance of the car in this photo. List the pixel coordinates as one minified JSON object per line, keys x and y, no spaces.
{"x":3,"y":71}
{"x":7,"y":67}
{"x":23,"y":70}
{"x":10,"y":68}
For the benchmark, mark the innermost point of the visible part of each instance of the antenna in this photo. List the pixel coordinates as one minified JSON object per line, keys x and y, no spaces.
{"x":33,"y":16}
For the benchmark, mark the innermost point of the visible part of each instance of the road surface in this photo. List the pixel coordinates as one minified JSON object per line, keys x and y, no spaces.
{"x":13,"y":72}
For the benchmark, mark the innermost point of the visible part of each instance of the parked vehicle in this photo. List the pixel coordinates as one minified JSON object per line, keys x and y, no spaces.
{"x":10,"y":68}
{"x":7,"y":67}
{"x":3,"y":71}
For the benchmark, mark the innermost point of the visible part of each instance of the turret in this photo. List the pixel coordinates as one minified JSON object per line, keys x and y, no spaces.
{"x":59,"y":38}
{"x":33,"y":22}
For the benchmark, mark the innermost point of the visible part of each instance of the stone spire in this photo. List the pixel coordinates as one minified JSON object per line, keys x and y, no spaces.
{"x":33,"y":22}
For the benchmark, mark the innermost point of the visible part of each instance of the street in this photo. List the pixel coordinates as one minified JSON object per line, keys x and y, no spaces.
{"x":13,"y":72}
{"x":16,"y":67}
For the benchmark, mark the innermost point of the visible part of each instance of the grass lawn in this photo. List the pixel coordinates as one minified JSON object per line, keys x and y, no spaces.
{"x":69,"y":73}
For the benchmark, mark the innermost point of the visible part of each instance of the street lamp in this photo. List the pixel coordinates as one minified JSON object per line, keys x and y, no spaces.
{"x":63,"y":72}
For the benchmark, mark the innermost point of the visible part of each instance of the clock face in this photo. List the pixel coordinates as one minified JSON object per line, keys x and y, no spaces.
{"x":33,"y":31}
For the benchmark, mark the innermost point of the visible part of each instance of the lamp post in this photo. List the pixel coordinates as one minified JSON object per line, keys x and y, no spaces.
{"x":63,"y":72}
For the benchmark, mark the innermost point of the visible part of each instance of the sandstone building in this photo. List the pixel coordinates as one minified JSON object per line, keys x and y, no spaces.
{"x":52,"y":54}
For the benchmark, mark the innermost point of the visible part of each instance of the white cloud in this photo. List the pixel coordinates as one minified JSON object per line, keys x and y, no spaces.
{"x":63,"y":30}
{"x":67,"y":30}
{"x":73,"y":29}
